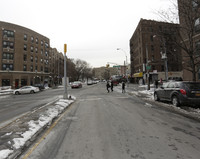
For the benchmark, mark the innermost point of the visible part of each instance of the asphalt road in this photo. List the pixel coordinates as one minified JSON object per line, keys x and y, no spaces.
{"x":15,"y":105}
{"x":101,"y":125}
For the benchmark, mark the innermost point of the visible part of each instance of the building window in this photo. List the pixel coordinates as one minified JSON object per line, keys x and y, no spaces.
{"x":31,"y":58}
{"x":42,"y":43}
{"x":152,"y":48}
{"x":41,"y":60}
{"x":25,"y":37}
{"x":7,"y":67}
{"x":8,"y":56}
{"x":46,"y":53}
{"x":36,"y":59}
{"x":8,"y":33}
{"x":46,"y":45}
{"x":152,"y":58}
{"x":36,"y":40}
{"x":32,"y":49}
{"x":151,"y":37}
{"x":25,"y":57}
{"x":162,"y":68}
{"x":8,"y":44}
{"x":32,"y":39}
{"x":31,"y":68}
{"x":35,"y":68}
{"x":41,"y":52}
{"x":197,"y":48}
{"x":46,"y":70}
{"x":25,"y":68}
{"x":197,"y":24}
{"x":5,"y":82}
{"x":41,"y":68}
{"x":36,"y":50}
{"x":25,"y":47}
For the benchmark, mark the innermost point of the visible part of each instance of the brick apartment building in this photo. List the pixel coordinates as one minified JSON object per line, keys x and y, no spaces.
{"x":189,"y":17}
{"x":26,"y":57}
{"x":148,"y":44}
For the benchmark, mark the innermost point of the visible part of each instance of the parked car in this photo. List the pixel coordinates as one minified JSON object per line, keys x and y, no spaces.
{"x":94,"y":82}
{"x":40,"y":86}
{"x":76,"y":84}
{"x":89,"y":83}
{"x":175,"y":79}
{"x":26,"y":89}
{"x":179,"y":93}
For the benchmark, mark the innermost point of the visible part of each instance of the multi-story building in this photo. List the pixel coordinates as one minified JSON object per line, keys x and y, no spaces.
{"x":189,"y":18}
{"x":152,"y":52}
{"x":25,"y":57}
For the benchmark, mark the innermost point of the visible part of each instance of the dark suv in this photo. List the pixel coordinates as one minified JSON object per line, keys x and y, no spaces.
{"x":179,"y":93}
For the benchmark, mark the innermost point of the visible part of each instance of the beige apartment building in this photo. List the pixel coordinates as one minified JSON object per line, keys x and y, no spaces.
{"x":26,"y":57}
{"x":152,"y":52}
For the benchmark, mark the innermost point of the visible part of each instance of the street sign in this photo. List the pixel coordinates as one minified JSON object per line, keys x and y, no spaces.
{"x":116,"y":66}
{"x":65,"y":48}
{"x":148,"y":67}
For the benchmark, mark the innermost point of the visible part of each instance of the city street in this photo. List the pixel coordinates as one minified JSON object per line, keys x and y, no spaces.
{"x":101,"y":125}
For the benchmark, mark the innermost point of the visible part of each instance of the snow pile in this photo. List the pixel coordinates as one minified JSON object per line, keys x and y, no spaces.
{"x":34,"y":126}
{"x":5,"y":153}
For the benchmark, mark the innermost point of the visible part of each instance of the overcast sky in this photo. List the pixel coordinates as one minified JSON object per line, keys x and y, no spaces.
{"x":92,"y":29}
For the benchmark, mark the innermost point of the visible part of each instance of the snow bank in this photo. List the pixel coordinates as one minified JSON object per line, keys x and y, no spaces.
{"x":35,"y":125}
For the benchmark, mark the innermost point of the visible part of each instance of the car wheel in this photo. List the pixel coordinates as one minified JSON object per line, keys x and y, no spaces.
{"x":175,"y":101}
{"x":32,"y":91}
{"x":17,"y":93}
{"x":156,"y":98}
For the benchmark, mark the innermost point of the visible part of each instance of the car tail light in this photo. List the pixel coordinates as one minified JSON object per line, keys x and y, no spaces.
{"x":183,"y":91}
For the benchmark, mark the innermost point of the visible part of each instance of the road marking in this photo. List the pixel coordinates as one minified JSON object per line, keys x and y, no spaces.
{"x":90,"y":99}
{"x":45,"y":135}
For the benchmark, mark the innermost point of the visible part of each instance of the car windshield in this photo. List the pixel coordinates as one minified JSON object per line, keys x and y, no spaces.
{"x":165,"y":85}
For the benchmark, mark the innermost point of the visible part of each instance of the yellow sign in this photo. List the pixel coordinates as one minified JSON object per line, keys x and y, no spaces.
{"x":65,"y":48}
{"x":140,"y":74}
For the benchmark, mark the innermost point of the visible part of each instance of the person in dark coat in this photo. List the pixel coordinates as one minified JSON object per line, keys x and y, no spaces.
{"x":123,"y":87}
{"x":108,"y":86}
{"x":111,"y":86}
{"x":156,"y":83}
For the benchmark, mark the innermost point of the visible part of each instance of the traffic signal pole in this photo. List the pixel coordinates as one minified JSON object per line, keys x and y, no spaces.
{"x":65,"y":96}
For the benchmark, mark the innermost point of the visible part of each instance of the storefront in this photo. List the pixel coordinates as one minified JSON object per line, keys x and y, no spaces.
{"x":138,"y":77}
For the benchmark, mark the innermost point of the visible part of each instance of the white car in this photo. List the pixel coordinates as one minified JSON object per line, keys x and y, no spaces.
{"x":26,"y":89}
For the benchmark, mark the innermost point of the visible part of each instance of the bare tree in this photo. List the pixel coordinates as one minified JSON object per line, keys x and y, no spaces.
{"x":188,"y":13}
{"x":83,"y":69}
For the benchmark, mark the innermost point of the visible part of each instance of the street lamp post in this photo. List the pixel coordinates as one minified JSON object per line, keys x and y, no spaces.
{"x":164,"y":56}
{"x":125,"y":65}
{"x":147,"y":67}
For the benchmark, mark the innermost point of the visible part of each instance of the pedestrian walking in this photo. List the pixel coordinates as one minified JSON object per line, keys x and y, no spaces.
{"x":111,"y":87}
{"x":156,"y":83}
{"x":108,"y":86}
{"x":123,"y":87}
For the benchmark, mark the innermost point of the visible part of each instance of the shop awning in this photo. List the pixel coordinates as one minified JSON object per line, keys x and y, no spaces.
{"x":140,"y":74}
